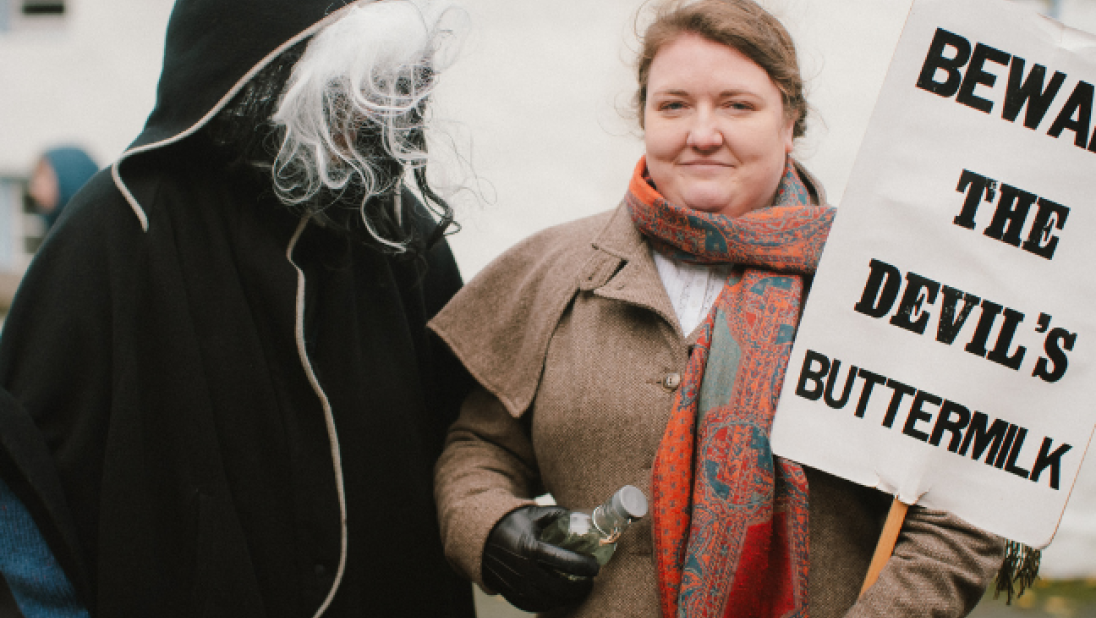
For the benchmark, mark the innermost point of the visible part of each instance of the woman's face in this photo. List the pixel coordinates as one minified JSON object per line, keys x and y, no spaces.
{"x":43,"y":187}
{"x":715,"y":129}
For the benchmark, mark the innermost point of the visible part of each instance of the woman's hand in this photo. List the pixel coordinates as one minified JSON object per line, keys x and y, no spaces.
{"x":531,"y":574}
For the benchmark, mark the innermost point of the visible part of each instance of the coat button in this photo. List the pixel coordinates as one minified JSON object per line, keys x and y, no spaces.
{"x":671,"y":381}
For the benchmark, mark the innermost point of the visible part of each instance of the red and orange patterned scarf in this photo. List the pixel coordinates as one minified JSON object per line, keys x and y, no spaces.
{"x":730,"y":519}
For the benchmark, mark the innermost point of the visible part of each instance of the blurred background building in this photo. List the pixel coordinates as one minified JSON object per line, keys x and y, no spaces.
{"x":537,"y":103}
{"x":72,"y":72}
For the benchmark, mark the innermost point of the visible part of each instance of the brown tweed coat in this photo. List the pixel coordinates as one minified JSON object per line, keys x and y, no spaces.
{"x":577,"y":351}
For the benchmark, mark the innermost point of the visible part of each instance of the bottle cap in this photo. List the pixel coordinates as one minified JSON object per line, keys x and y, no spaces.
{"x":629,"y":502}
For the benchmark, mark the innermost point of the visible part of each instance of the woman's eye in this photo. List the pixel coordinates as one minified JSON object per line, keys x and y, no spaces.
{"x":671,"y":106}
{"x":739,"y":105}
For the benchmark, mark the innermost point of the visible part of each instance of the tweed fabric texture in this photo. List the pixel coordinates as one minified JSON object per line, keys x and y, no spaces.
{"x":571,"y":337}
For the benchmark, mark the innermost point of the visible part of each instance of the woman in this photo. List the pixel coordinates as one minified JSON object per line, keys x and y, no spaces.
{"x":623,"y":348}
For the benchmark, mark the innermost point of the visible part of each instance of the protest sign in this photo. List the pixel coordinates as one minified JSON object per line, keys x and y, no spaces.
{"x":946,"y":352}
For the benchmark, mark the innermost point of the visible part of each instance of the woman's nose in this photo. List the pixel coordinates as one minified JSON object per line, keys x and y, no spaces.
{"x":704,"y":134}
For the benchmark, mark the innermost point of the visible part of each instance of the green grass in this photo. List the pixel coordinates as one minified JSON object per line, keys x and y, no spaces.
{"x":1068,"y":598}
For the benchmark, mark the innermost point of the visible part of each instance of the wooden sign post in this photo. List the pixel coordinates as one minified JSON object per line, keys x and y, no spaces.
{"x":887,"y":540}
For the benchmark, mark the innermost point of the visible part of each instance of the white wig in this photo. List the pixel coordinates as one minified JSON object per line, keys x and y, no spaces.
{"x":370,"y":72}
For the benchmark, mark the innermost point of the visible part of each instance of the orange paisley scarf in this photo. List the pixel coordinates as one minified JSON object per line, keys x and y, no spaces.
{"x":730,"y":519}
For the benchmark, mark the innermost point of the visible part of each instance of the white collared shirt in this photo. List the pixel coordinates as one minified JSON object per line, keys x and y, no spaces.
{"x":692,"y":288}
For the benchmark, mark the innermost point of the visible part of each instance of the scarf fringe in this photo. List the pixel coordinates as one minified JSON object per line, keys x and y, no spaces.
{"x":1018,"y":571}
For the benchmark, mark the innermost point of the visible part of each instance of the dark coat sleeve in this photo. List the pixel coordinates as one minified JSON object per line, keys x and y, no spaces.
{"x":428,"y":284}
{"x":55,"y":365}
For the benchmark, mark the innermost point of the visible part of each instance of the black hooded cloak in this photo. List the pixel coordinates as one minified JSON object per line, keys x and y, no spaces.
{"x":181,"y":353}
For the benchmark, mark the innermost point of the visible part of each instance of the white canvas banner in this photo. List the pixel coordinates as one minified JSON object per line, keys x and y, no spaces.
{"x":946,"y":352}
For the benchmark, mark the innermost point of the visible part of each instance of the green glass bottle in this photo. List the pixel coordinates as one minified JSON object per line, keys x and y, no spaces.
{"x":596,"y":534}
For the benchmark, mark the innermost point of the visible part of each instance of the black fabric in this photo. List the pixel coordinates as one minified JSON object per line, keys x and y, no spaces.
{"x":212,"y":44}
{"x":161,"y":426}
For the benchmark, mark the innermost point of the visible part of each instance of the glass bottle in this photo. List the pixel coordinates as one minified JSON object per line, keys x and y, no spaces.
{"x":596,"y":534}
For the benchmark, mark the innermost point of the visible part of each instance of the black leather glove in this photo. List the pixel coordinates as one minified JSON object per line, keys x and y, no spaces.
{"x":530,"y":573}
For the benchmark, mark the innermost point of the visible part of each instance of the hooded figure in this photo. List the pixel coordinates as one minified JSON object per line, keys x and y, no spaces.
{"x":59,"y":174}
{"x":218,"y":395}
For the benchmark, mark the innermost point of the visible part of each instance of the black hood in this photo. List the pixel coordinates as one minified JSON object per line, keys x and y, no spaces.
{"x":213,"y":45}
{"x":212,"y":48}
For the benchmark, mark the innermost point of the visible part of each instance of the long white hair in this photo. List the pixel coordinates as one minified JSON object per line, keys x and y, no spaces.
{"x":353,"y":113}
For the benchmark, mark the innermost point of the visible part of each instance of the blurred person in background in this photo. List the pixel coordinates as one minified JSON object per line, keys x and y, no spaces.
{"x":647,"y":346}
{"x":58,"y":175}
{"x":219,"y":397}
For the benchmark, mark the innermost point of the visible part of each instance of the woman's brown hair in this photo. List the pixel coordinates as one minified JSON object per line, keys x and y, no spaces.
{"x":740,"y":24}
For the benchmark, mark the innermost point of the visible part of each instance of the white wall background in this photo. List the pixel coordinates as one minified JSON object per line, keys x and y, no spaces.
{"x":89,"y":78}
{"x":537,"y":100}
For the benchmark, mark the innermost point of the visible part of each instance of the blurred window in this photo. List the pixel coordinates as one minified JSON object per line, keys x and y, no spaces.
{"x":21,"y":230}
{"x":43,"y":7}
{"x":32,"y":16}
